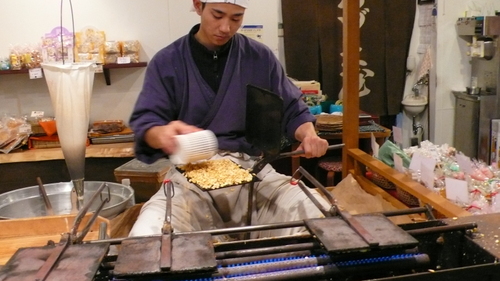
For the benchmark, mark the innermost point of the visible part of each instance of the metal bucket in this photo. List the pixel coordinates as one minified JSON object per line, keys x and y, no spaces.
{"x":27,"y":202}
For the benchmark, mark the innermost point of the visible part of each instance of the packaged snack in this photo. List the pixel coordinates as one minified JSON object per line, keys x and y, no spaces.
{"x":57,"y":45}
{"x":134,"y":57}
{"x":111,"y":58}
{"x":112,"y":47}
{"x":36,"y":56}
{"x":90,"y":45}
{"x":5,"y":63}
{"x":107,"y":126}
{"x":14,"y":131}
{"x":130,"y":46}
{"x":48,"y":125}
{"x":15,"y":57}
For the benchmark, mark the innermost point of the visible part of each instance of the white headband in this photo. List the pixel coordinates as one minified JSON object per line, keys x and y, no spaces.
{"x":242,"y":3}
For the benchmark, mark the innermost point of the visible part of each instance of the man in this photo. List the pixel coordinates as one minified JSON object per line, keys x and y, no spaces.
{"x":199,"y":82}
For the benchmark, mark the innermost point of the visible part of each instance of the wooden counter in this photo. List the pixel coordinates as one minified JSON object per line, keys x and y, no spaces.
{"x":21,"y":168}
{"x":112,"y":150}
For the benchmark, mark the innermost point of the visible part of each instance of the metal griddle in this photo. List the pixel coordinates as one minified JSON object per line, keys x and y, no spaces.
{"x":68,"y":259}
{"x":77,"y":262}
{"x":338,"y":236}
{"x":192,"y":252}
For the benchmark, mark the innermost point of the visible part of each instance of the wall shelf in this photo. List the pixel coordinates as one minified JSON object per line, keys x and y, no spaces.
{"x":105,"y":69}
{"x":14,"y":71}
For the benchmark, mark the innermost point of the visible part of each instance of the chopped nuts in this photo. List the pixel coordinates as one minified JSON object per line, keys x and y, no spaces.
{"x":213,"y":174}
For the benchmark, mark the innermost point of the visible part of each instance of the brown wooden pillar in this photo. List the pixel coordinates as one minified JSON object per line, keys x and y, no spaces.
{"x":350,"y":80}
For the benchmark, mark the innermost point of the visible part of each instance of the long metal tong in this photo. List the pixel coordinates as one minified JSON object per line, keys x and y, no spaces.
{"x":260,"y":164}
{"x":166,"y":238}
{"x":73,"y":237}
{"x":334,"y":209}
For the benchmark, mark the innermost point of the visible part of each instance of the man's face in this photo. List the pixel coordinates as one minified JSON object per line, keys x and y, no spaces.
{"x":219,"y":22}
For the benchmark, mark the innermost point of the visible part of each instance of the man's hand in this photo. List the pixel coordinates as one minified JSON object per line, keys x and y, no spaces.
{"x":311,"y":144}
{"x":163,"y":137}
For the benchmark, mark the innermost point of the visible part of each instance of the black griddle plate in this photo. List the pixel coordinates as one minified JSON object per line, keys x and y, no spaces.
{"x":338,"y":237}
{"x":140,"y":256}
{"x":78,"y":262}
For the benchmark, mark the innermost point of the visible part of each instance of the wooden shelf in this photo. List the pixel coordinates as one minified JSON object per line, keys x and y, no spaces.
{"x":22,"y":71}
{"x":125,"y":149}
{"x":107,"y":67}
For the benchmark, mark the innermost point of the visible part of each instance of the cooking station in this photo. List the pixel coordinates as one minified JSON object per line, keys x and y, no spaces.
{"x":336,"y":248}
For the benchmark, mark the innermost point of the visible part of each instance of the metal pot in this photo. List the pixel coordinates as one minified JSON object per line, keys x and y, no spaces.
{"x":27,"y":202}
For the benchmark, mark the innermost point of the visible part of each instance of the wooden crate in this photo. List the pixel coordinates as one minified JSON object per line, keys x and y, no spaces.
{"x":145,"y":179}
{"x":36,"y":232}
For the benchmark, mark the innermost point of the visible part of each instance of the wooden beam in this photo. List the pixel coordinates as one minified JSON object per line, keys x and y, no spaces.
{"x":350,"y":80}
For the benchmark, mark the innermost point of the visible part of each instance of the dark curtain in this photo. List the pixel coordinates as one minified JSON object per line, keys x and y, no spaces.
{"x":313,"y":48}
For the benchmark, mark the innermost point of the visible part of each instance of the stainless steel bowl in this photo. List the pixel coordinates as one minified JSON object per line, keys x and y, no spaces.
{"x":27,"y":202}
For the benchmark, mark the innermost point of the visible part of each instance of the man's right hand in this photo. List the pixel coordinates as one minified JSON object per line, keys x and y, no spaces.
{"x":163,"y":137}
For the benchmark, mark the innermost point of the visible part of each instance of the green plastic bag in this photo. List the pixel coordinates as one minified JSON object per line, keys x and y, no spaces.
{"x":387,"y":151}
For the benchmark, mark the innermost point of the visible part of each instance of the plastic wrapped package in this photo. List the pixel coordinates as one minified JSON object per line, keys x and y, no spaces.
{"x":5,"y":63}
{"x":15,"y":57}
{"x":48,"y":125}
{"x":90,"y":45}
{"x":108,"y":126}
{"x":134,"y":57}
{"x":112,"y":47}
{"x":111,"y":58}
{"x":131,"y":48}
{"x":14,"y":132}
{"x":32,"y":57}
{"x":53,"y":49}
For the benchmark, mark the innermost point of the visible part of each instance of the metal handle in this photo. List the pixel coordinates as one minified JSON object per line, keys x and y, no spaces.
{"x":85,"y":208}
{"x":334,"y":210}
{"x":260,"y":164}
{"x":45,"y":197}
{"x":168,"y":187}
{"x":298,"y":152}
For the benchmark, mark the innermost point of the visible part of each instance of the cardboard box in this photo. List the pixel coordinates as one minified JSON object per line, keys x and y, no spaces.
{"x":308,"y":86}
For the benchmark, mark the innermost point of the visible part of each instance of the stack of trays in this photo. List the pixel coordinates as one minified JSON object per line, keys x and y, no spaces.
{"x":329,"y":123}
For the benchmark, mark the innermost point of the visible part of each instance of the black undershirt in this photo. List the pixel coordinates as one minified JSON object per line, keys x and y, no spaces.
{"x":210,"y":63}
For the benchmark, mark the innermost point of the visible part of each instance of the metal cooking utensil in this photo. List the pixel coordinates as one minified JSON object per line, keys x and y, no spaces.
{"x":72,"y":237}
{"x":259,"y":165}
{"x":46,"y":200}
{"x":166,"y":238}
{"x":351,"y":221}
{"x":78,"y":237}
{"x":263,"y":128}
{"x":264,"y":114}
{"x":140,"y":256}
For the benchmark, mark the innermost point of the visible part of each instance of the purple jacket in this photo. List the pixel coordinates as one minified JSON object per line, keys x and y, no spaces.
{"x":174,"y":90}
